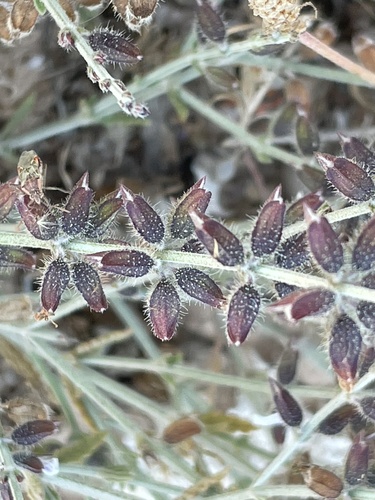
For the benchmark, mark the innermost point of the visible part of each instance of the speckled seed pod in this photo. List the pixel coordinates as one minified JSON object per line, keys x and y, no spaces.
{"x":164,"y":310}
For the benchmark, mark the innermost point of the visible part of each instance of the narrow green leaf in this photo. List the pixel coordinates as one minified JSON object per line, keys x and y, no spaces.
{"x":81,"y":449}
{"x":220,"y":422}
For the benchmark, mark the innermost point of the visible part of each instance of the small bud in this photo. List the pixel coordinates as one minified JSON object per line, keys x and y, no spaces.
{"x":302,"y":303}
{"x":33,"y":431}
{"x":344,"y":349}
{"x":337,"y":420}
{"x":279,"y":433}
{"x":200,"y":286}
{"x":76,"y":210}
{"x":293,"y":252}
{"x":322,"y":481}
{"x":324,"y":243}
{"x":356,"y":464}
{"x":16,"y":258}
{"x":54,"y":283}
{"x":88,"y":283}
{"x":164,"y":310}
{"x":210,"y":22}
{"x":103,"y":214}
{"x":286,"y":369}
{"x":38,"y":219}
{"x":196,"y":199}
{"x":29,"y":462}
{"x":347,"y":177}
{"x":367,"y":406}
{"x":355,"y":150}
{"x":181,"y":429}
{"x":242,"y":312}
{"x":307,"y":135}
{"x":113,"y":47}
{"x":8,"y":196}
{"x":145,"y":220}
{"x":266,"y":234}
{"x":65,"y":40}
{"x":290,"y":411}
{"x":131,"y":263}
{"x":363,"y":257}
{"x":223,"y":245}
{"x":367,"y":360}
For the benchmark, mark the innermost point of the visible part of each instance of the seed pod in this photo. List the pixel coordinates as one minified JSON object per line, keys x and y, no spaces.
{"x":54,"y":283}
{"x":29,"y":462}
{"x":307,"y":135}
{"x":367,"y":406}
{"x":145,"y":220}
{"x":337,"y":420}
{"x":38,"y":219}
{"x":223,"y":245}
{"x":113,"y":47}
{"x":164,"y":310}
{"x":324,"y":243}
{"x":200,"y":286}
{"x":33,"y":431}
{"x":267,"y":231}
{"x":16,"y":258}
{"x":364,"y":48}
{"x":279,"y":433}
{"x":210,"y":22}
{"x":221,"y":78}
{"x":88,"y":283}
{"x":76,"y":210}
{"x":355,"y":150}
{"x":302,"y":303}
{"x":367,"y":360}
{"x":181,"y":429}
{"x":284,"y":289}
{"x":290,"y":411}
{"x":344,"y":349}
{"x":295,"y":211}
{"x":363,"y":257}
{"x":242,"y":312}
{"x":293,"y":252}
{"x":286,"y":368}
{"x":8,"y":196}
{"x":366,"y":310}
{"x":196,"y":199}
{"x":356,"y":464}
{"x":347,"y":177}
{"x":193,"y":246}
{"x":322,"y":481}
{"x":131,"y":263}
{"x":103,"y":214}
{"x":23,"y":16}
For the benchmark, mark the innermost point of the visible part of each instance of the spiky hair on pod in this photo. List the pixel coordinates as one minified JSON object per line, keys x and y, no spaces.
{"x":113,"y":47}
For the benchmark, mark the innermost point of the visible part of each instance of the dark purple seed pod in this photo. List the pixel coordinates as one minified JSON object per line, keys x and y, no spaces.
{"x":302,"y":303}
{"x":88,"y":283}
{"x":295,"y":212}
{"x":307,"y":135}
{"x":29,"y":462}
{"x":324,"y":243}
{"x":38,"y":219}
{"x":131,"y":263}
{"x":223,"y":245}
{"x":363,"y":257}
{"x":193,"y":246}
{"x":278,"y":433}
{"x":54,"y":283}
{"x":33,"y":431}
{"x":357,"y":462}
{"x":284,"y":289}
{"x":16,"y":258}
{"x":103,"y":215}
{"x":366,"y":310}
{"x":210,"y":21}
{"x":337,"y":420}
{"x":347,"y":177}
{"x":367,"y":360}
{"x":196,"y":199}
{"x":8,"y":196}
{"x":145,"y":220}
{"x":242,"y":311}
{"x":355,"y":150}
{"x":267,"y":231}
{"x":322,"y":481}
{"x":293,"y":252}
{"x":77,"y":207}
{"x":344,"y":349}
{"x":113,"y":47}
{"x":288,"y":408}
{"x":164,"y":310}
{"x":367,"y":405}
{"x":287,"y":366}
{"x":200,"y":286}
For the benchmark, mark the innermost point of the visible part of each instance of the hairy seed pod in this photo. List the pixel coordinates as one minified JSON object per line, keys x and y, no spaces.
{"x":38,"y":219}
{"x":54,"y":283}
{"x":367,"y":406}
{"x":200,"y":286}
{"x":76,"y":210}
{"x":33,"y":431}
{"x":288,"y":408}
{"x":113,"y":47}
{"x":295,"y":211}
{"x":367,"y":360}
{"x":16,"y":258}
{"x":164,"y":310}
{"x":337,"y":420}
{"x":103,"y":214}
{"x":302,"y":303}
{"x":286,"y":368}
{"x":307,"y":135}
{"x":242,"y":311}
{"x":267,"y":231}
{"x":181,"y":429}
{"x":324,"y":482}
{"x":29,"y":462}
{"x":131,"y":263}
{"x":23,"y":16}
{"x":210,"y":21}
{"x":355,"y":150}
{"x":284,"y":289}
{"x":344,"y":349}
{"x":363,"y":257}
{"x":145,"y":220}
{"x":356,"y":463}
{"x":223,"y":245}
{"x":324,"y":243}
{"x":88,"y":283}
{"x":193,"y":246}
{"x":8,"y":196}
{"x":293,"y":252}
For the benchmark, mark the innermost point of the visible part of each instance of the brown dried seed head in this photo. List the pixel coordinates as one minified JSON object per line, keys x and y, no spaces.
{"x":69,"y":8}
{"x":142,"y":9}
{"x":322,"y":481}
{"x":5,"y":32}
{"x":181,"y":429}
{"x":23,"y":16}
{"x":364,"y":49}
